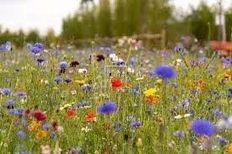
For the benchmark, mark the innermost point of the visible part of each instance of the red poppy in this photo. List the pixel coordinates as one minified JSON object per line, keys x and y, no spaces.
{"x":39,"y":115}
{"x":71,"y":112}
{"x":116,"y":83}
{"x":90,"y":116}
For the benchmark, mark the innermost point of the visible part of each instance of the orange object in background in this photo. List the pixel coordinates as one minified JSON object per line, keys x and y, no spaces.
{"x":225,"y":48}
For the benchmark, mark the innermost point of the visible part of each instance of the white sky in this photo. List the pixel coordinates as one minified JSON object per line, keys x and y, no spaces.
{"x":44,"y":14}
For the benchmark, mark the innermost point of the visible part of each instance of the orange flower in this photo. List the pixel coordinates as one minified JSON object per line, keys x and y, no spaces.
{"x":152,"y":99}
{"x":41,"y":134}
{"x":200,"y":84}
{"x":71,"y":112}
{"x":116,"y":83}
{"x":34,"y":125}
{"x":90,"y":116}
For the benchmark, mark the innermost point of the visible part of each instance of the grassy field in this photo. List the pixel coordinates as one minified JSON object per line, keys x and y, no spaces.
{"x":92,"y":101}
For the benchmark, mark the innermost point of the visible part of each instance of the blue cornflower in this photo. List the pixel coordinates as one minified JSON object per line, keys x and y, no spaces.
{"x":5,"y":47}
{"x":184,"y":103}
{"x":21,"y":134}
{"x":5,"y":91}
{"x":39,"y":45}
{"x":57,"y":79}
{"x":46,"y":126}
{"x":35,"y":48}
{"x":227,"y":61}
{"x":21,"y":94}
{"x":163,"y":71}
{"x":202,"y":127}
{"x":135,"y":123}
{"x":218,"y":113}
{"x":63,"y":65}
{"x":107,"y":107}
{"x":179,"y":133}
{"x":10,"y":103}
{"x":16,"y":112}
{"x":222,"y":141}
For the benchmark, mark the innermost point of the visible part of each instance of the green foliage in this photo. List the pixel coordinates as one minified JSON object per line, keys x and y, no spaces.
{"x":122,"y":17}
{"x":201,"y":20}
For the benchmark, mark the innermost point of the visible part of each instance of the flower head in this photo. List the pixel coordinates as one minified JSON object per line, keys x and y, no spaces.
{"x":202,"y":127}
{"x":116,"y":83}
{"x":63,"y":65}
{"x":39,"y":115}
{"x":107,"y":107}
{"x":90,"y":116}
{"x":163,"y":71}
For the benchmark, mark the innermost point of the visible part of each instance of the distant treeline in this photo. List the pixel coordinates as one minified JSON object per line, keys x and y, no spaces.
{"x":128,"y":17}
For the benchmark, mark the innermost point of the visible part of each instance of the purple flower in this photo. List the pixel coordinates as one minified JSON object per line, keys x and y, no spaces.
{"x":46,"y":126}
{"x":16,"y":112}
{"x":5,"y":91}
{"x":35,"y":48}
{"x":21,"y":94}
{"x":218,"y":113}
{"x":21,"y":134}
{"x":39,"y":45}
{"x":179,"y":133}
{"x":184,"y":103}
{"x":227,"y":61}
{"x":5,"y":47}
{"x":58,"y":79}
{"x":222,"y":141}
{"x":202,"y":127}
{"x":135,"y":123}
{"x":107,"y":107}
{"x":63,"y":65}
{"x":10,"y":103}
{"x":163,"y":71}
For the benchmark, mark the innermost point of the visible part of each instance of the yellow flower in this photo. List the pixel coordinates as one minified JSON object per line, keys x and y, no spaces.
{"x":150,"y":92}
{"x":41,"y":134}
{"x":34,"y":125}
{"x":80,"y":81}
{"x":65,"y":106}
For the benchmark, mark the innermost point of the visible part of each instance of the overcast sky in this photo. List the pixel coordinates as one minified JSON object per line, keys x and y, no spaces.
{"x":44,"y":14}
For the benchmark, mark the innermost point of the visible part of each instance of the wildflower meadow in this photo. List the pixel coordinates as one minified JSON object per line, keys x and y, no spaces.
{"x":120,"y":99}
